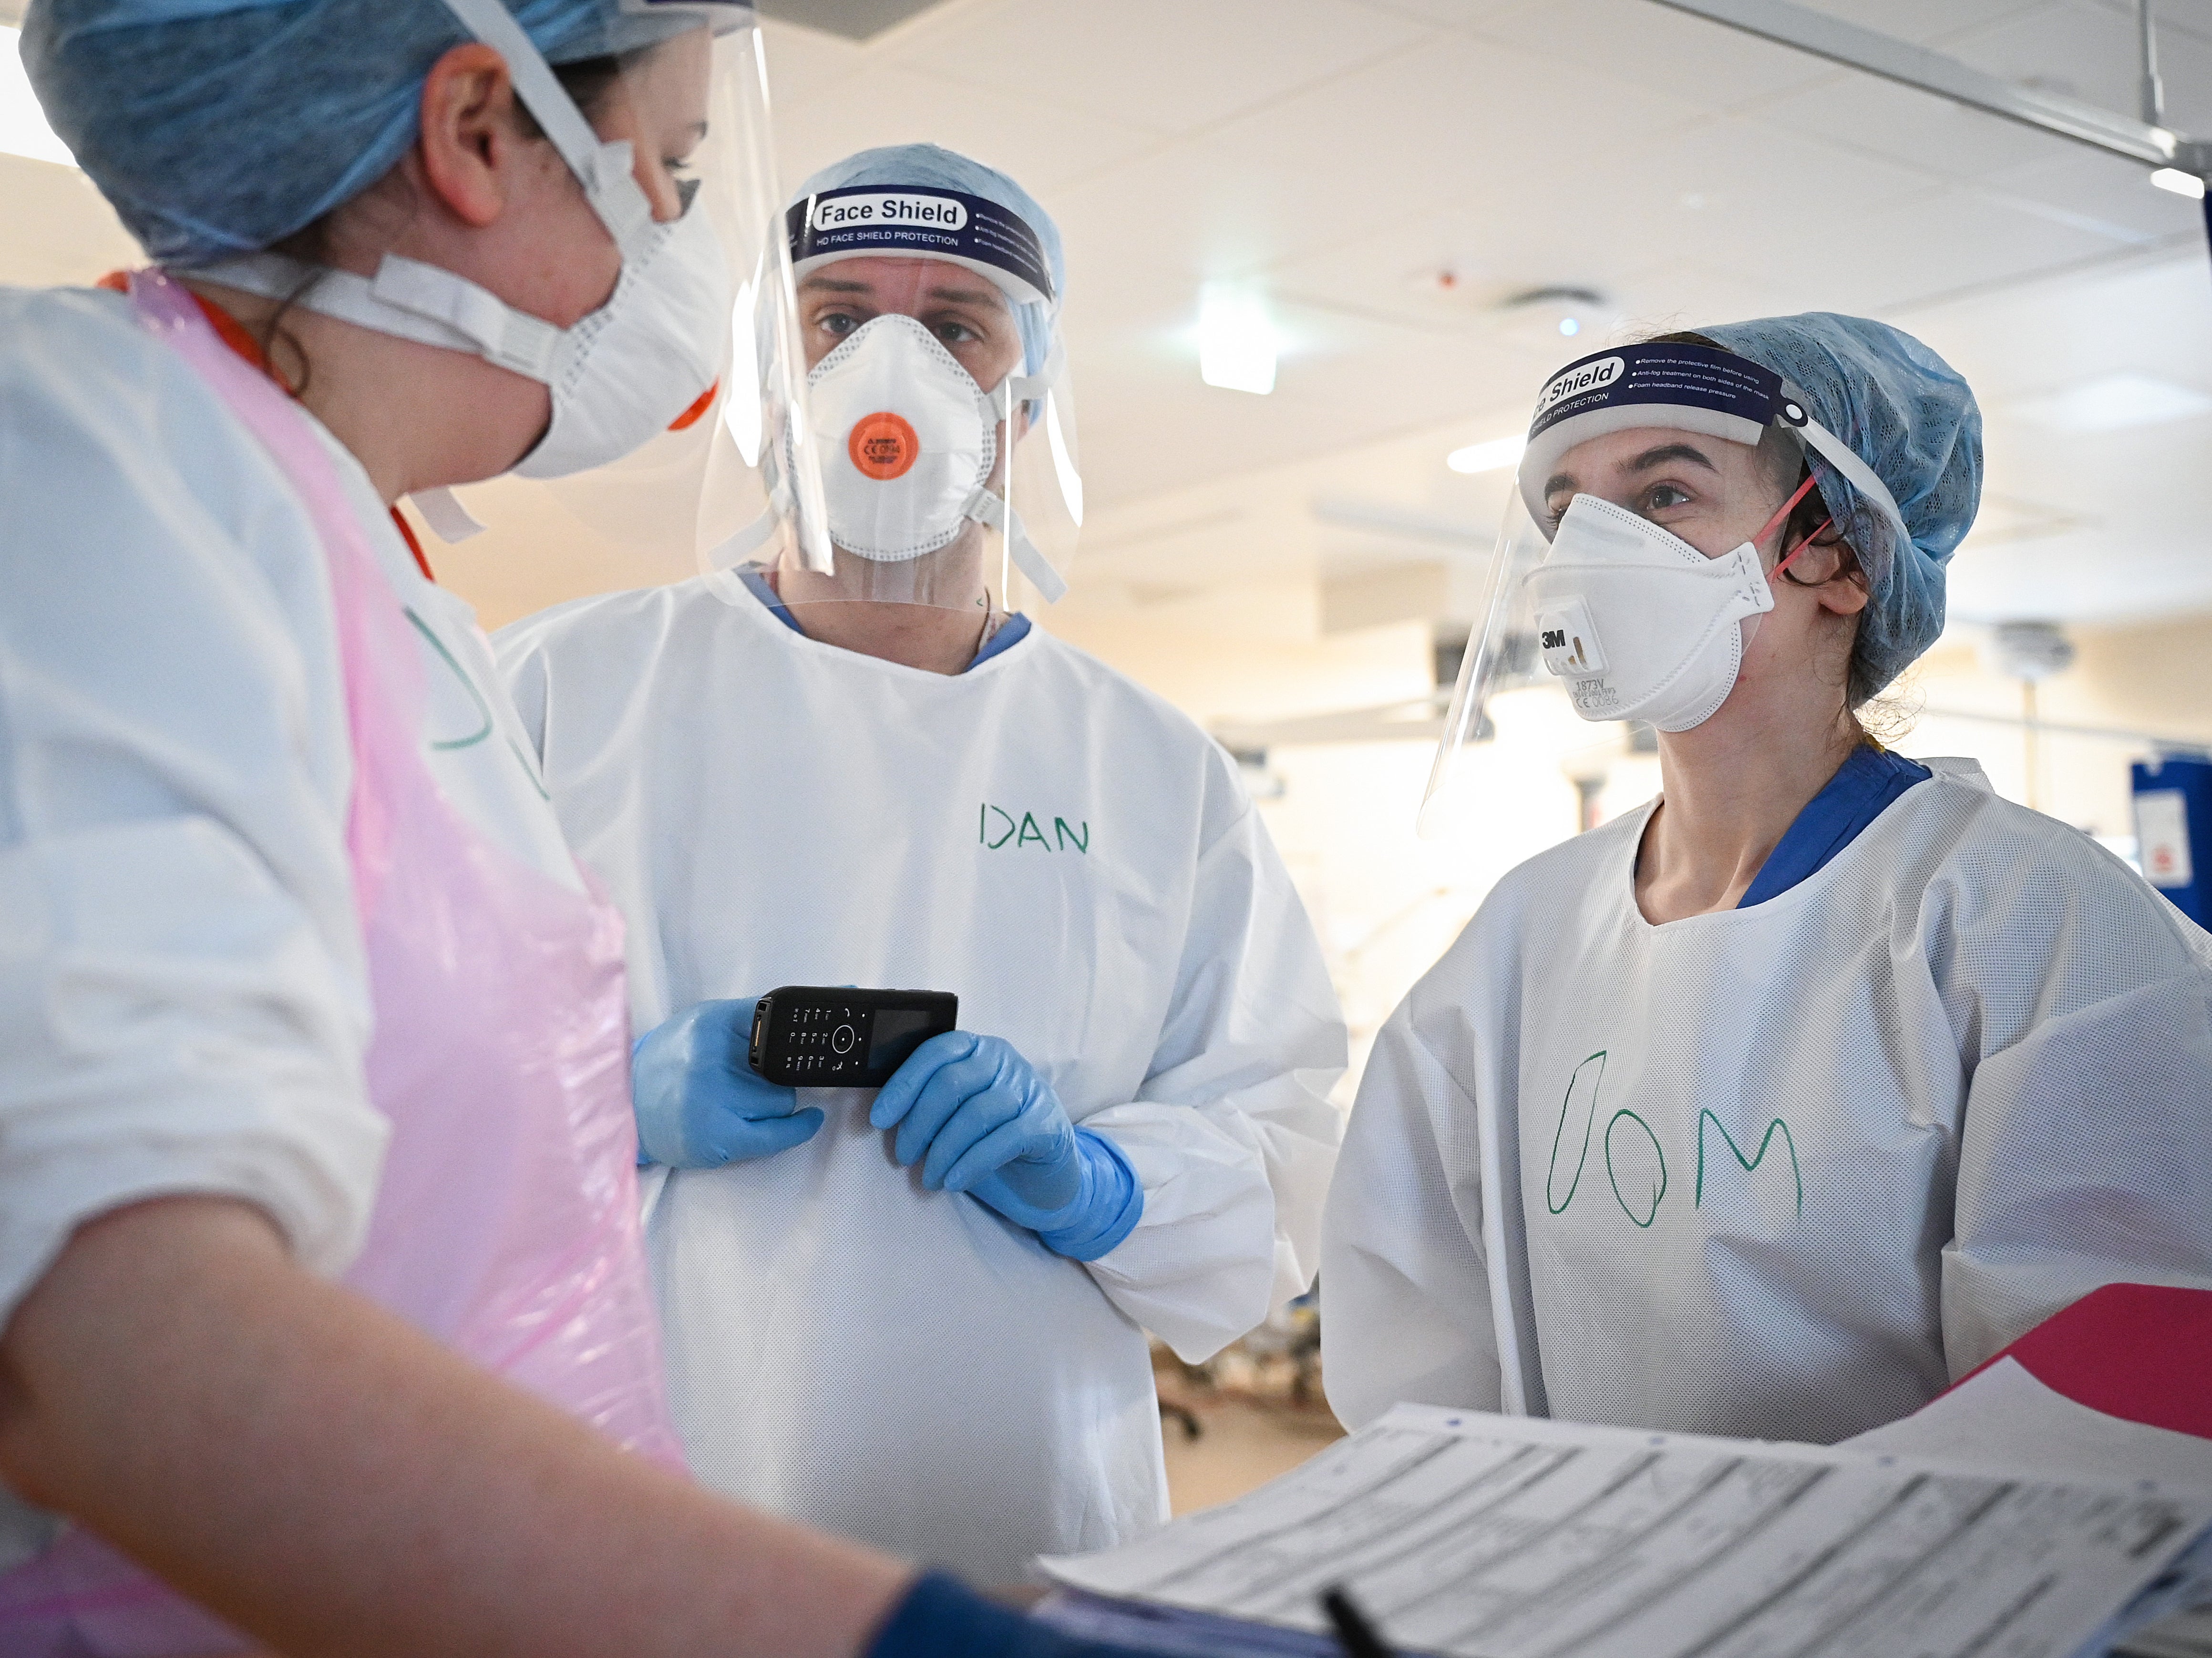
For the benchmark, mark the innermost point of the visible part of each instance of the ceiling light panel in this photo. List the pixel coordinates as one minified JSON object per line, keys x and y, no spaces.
{"x":1237,"y":340}
{"x":1491,"y":457}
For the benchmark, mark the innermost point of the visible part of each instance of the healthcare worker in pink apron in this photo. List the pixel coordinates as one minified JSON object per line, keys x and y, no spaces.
{"x":323,"y":1326}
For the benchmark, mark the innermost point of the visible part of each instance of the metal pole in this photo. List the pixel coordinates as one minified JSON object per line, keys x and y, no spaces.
{"x":2154,"y":91}
{"x":1840,"y":42}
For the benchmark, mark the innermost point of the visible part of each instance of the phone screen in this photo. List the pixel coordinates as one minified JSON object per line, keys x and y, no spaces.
{"x":898,"y":1031}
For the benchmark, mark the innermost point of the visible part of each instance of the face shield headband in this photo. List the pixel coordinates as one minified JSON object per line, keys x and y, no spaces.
{"x":1692,"y":388}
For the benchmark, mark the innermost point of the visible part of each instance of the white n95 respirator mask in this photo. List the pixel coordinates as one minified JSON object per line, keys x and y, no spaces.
{"x":1639,"y":624}
{"x":907,"y":441}
{"x":653,"y":349}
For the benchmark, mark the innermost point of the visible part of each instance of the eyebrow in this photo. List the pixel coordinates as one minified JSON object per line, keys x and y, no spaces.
{"x":1662,"y":455}
{"x":1670,"y":451}
{"x":819,"y":283}
{"x":968,"y":295}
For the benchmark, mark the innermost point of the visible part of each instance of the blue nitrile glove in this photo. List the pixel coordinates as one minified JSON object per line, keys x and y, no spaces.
{"x":978,"y":1118}
{"x":700,"y":1102}
{"x":941,"y":1618}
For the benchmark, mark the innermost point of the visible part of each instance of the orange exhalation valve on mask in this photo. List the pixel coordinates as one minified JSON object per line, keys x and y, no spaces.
{"x":884,"y":446}
{"x":690,"y":417}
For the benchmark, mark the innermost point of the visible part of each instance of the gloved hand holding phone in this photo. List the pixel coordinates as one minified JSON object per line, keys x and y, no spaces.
{"x":700,"y":1104}
{"x":979,"y":1118}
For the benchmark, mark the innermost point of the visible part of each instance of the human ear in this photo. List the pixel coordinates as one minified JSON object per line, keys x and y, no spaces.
{"x":1845,"y":591}
{"x":470,"y":134}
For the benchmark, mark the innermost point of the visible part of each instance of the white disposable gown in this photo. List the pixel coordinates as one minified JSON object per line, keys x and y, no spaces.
{"x":1077,"y":861}
{"x":183,"y":993}
{"x":1785,"y":1171}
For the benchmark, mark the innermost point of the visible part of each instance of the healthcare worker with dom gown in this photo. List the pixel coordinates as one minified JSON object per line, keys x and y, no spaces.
{"x":918,"y":1318}
{"x":1777,"y":1105}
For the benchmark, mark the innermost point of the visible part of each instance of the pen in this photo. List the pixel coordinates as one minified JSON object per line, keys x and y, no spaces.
{"x":1353,"y":1632}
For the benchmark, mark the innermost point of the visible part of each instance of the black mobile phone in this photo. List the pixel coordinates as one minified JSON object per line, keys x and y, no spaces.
{"x":814,"y":1036}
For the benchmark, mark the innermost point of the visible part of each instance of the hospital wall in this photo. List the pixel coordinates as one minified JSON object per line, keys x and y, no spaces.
{"x":1387,"y":903}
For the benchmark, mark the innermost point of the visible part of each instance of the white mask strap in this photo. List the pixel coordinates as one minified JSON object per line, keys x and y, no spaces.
{"x":425,"y":303}
{"x":442,"y":511}
{"x":987,"y":508}
{"x":1025,"y":388}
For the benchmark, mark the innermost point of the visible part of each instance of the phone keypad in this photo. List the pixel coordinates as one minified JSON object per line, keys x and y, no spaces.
{"x":826,"y":1041}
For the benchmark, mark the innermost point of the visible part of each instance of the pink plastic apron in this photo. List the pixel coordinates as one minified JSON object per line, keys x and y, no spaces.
{"x":506,"y":1222}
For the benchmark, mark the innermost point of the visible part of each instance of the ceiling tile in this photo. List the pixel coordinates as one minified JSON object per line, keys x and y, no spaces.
{"x":1920,"y":21}
{"x":1453,"y":14}
{"x":803,"y":65}
{"x":1694,"y":58}
{"x":1712,"y":198}
{"x":2172,"y":20}
{"x":2082,"y":50}
{"x":2101,"y":192}
{"x":1918,"y":128}
{"x":1193,"y":207}
{"x":2149,"y":317}
{"x":1916,"y":253}
{"x":1685,"y":294}
{"x":1149,"y":424}
{"x":1444,"y":124}
{"x":1027,"y":138}
{"x":1161,"y":64}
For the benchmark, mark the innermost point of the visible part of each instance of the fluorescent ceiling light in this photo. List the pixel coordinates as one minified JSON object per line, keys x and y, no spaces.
{"x":1487,"y":457}
{"x":2180,"y":183}
{"x":2112,"y":403}
{"x":1236,"y":342}
{"x":23,"y":129}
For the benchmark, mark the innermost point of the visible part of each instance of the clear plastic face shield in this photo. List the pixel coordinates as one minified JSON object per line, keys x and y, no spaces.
{"x":697,"y":482}
{"x":916,"y":429}
{"x":1652,"y":512}
{"x":662,"y":120}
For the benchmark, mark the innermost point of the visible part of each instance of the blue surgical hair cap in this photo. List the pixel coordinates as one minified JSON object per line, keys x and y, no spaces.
{"x":217,"y":127}
{"x":1912,"y":418}
{"x":920,"y":167}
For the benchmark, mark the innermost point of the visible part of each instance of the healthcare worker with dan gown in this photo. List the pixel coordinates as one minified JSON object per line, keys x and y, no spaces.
{"x":1777,"y":1105}
{"x":918,"y":1317}
{"x":326,"y":1321}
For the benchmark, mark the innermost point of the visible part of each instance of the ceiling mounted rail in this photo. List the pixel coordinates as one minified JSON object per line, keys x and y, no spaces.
{"x":1854,"y":47}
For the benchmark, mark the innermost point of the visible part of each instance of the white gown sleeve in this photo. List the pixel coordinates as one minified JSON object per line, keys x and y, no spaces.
{"x":183,"y":1004}
{"x":1233,"y":1137}
{"x":2085,"y":1157}
{"x":1406,"y":1310}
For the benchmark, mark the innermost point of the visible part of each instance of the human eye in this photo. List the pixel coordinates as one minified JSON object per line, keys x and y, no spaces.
{"x":683,"y":177}
{"x":837,"y":323}
{"x":953,"y":331}
{"x":1659,"y":499}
